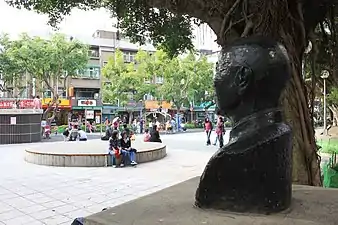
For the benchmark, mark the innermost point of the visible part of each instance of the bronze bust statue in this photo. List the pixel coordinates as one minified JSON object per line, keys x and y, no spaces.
{"x":252,"y":173}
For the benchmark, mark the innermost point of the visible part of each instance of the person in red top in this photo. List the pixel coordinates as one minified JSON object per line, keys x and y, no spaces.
{"x":208,"y":128}
{"x":146,"y":136}
{"x":219,"y":131}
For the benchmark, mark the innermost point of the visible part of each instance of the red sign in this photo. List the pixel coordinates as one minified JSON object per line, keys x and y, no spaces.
{"x":24,"y":104}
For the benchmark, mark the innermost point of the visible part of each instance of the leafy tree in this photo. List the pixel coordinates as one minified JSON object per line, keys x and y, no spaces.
{"x":10,"y":69}
{"x":51,"y":62}
{"x":202,"y":89}
{"x":332,"y":100}
{"x":287,"y":21}
{"x":122,"y":80}
{"x":185,"y":79}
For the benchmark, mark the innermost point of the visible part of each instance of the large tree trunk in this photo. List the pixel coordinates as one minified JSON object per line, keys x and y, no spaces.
{"x":283,"y":21}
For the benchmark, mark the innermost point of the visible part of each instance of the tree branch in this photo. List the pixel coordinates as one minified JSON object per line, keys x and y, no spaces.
{"x":226,"y":18}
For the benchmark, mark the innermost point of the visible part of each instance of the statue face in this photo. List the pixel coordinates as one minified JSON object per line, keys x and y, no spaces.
{"x":231,"y":79}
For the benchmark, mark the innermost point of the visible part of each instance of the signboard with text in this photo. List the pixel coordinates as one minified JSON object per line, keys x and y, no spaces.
{"x":63,"y":103}
{"x":10,"y":104}
{"x":86,"y":102}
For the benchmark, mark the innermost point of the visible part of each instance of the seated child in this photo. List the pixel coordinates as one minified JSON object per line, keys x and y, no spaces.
{"x":126,"y":145}
{"x":118,"y":154}
{"x":146,"y":135}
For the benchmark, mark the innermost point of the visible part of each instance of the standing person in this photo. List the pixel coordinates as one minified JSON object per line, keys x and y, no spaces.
{"x":208,"y":128}
{"x":126,"y":130}
{"x":37,"y":102}
{"x":158,"y":125}
{"x":219,"y":131}
{"x":106,"y":123}
{"x":151,"y":126}
{"x":141,"y":126}
{"x":116,"y":123}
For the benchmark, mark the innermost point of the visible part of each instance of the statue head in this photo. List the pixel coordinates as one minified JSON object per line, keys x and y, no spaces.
{"x":250,"y":76}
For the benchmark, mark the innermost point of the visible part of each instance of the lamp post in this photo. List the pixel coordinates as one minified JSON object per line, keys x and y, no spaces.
{"x":325,"y":75}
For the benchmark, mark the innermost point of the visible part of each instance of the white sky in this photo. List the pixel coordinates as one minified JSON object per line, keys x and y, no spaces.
{"x":14,"y":22}
{"x":79,"y":23}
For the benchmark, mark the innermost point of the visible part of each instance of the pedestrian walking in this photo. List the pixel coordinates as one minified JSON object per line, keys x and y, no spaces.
{"x":208,"y":129}
{"x":220,"y":132}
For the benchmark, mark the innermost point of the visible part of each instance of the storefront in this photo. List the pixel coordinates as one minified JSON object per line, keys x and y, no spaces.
{"x":64,"y":108}
{"x":159,"y":110}
{"x":110,"y":112}
{"x":87,"y":110}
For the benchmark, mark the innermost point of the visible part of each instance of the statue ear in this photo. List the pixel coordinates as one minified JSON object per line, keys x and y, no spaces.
{"x":243,"y":79}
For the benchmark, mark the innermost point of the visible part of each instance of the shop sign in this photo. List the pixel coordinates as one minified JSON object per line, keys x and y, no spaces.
{"x":63,"y":103}
{"x":86,"y":102}
{"x":86,"y":107}
{"x":24,"y":104}
{"x":149,"y":104}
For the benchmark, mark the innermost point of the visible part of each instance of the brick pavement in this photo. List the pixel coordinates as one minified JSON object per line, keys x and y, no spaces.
{"x":32,"y":194}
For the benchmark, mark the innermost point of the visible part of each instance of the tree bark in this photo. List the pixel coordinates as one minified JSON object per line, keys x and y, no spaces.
{"x":282,"y":20}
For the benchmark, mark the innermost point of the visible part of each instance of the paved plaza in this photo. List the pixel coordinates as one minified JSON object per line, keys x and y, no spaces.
{"x":32,"y":194}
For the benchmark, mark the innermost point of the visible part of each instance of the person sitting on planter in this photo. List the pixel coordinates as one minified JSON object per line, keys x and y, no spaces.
{"x":126,"y":145}
{"x":155,"y":135}
{"x":82,"y":135}
{"x":65,"y":134}
{"x":146,"y":135}
{"x":115,"y":150}
{"x":73,"y":134}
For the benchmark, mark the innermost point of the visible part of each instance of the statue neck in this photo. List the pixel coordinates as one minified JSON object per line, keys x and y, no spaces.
{"x":250,"y":124}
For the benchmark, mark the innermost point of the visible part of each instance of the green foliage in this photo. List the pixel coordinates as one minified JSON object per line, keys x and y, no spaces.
{"x":123,"y":81}
{"x":137,"y":20}
{"x":46,"y":60}
{"x":10,"y":69}
{"x":332,"y":97}
{"x":184,"y":79}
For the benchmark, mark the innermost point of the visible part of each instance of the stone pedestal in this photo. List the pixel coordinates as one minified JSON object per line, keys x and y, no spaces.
{"x":174,"y":206}
{"x":20,"y":125}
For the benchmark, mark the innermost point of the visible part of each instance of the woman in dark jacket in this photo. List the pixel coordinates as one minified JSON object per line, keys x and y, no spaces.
{"x":126,"y":146}
{"x":118,"y":154}
{"x":155,"y":135}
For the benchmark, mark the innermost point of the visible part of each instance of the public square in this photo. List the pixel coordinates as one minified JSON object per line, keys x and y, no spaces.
{"x":32,"y":194}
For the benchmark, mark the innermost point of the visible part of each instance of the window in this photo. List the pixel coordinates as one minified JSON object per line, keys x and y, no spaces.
{"x":83,"y":93}
{"x":47,"y":94}
{"x":148,"y":97}
{"x":62,"y":93}
{"x":91,"y":72}
{"x":158,"y":80}
{"x":94,"y":53}
{"x":129,"y":57}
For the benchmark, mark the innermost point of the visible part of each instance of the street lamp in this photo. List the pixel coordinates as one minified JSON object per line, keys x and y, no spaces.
{"x":325,"y":75}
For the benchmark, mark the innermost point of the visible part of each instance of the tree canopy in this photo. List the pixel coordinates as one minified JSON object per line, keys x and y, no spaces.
{"x":49,"y":61}
{"x":179,"y":80}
